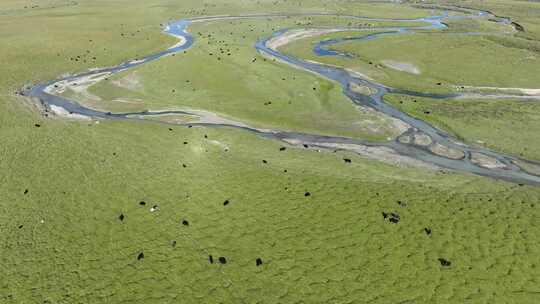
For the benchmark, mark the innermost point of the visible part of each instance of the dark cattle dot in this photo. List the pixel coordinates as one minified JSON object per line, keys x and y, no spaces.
{"x":140,"y":256}
{"x":282,"y":149}
{"x":347,"y":160}
{"x":21,"y":226}
{"x":185,"y":223}
{"x":444,"y":262}
{"x":26,"y":191}
{"x":121,"y":217}
{"x":258,"y":262}
{"x":226,"y":202}
{"x":393,"y":217}
{"x":222,"y":260}
{"x":184,"y":165}
{"x":264,"y":161}
{"x":307,"y":194}
{"x":173,"y":243}
{"x":211,"y":259}
{"x":142,"y":203}
{"x":185,"y":143}
{"x":402,"y":204}
{"x":305,"y":146}
{"x":427,"y":230}
{"x":170,"y":129}
{"x":37,"y":125}
{"x":439,"y":83}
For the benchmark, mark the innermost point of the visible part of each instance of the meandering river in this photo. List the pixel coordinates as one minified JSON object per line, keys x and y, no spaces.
{"x":422,"y":141}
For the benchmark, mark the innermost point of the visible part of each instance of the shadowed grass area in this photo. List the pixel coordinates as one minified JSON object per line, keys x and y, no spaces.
{"x":73,"y":225}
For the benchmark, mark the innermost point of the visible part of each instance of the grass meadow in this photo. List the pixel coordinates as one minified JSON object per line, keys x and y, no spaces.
{"x":130,"y":212}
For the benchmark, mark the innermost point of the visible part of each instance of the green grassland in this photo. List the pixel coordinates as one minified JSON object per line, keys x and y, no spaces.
{"x":62,"y":240}
{"x":524,"y":13}
{"x":331,"y":246}
{"x":233,"y":80}
{"x":240,"y":88}
{"x":452,"y":60}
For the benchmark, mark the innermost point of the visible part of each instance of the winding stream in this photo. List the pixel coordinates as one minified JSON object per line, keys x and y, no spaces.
{"x":421,"y":142}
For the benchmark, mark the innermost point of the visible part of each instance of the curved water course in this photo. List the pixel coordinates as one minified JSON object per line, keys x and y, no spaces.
{"x":421,"y":142}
